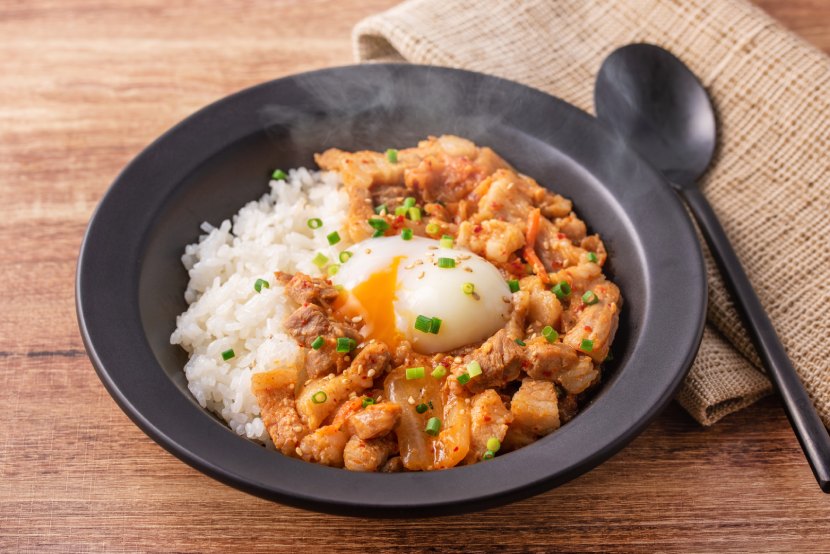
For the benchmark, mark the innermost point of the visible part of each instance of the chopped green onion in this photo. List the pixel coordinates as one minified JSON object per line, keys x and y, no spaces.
{"x":406,"y":233}
{"x":332,"y":270}
{"x":421,"y":408}
{"x":279,"y":175}
{"x":409,"y":202}
{"x":586,"y":345}
{"x":378,"y":224}
{"x":377,"y":234}
{"x":463,"y":379}
{"x":380,"y":210}
{"x":439,"y":371}
{"x":446,"y":241}
{"x":473,"y":369}
{"x":320,"y":260}
{"x":433,"y":426}
{"x":401,"y":210}
{"x":318,"y":342}
{"x":488,"y":455}
{"x":589,"y":298}
{"x":468,"y":288}
{"x":319,"y":397}
{"x":392,"y":156}
{"x":562,"y":290}
{"x":368,"y":401}
{"x":446,"y":263}
{"x":344,"y":256}
{"x":345,"y":344}
{"x":434,"y":325}
{"x":314,"y":223}
{"x":423,"y":323}
{"x":414,"y":373}
{"x":550,"y":334}
{"x":228,"y":354}
{"x":520,"y":342}
{"x":432,"y":228}
{"x":513,"y":284}
{"x":493,"y":444}
{"x":414,"y":214}
{"x":592,"y":257}
{"x":333,"y":237}
{"x":261,"y":283}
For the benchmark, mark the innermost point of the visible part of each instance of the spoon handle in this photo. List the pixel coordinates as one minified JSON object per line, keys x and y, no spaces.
{"x":814,"y":439}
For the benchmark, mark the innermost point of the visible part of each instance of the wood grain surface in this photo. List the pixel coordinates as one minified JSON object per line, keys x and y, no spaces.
{"x":84,"y":86}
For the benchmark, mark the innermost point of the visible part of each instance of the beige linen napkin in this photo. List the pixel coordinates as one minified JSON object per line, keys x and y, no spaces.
{"x":770,"y":182}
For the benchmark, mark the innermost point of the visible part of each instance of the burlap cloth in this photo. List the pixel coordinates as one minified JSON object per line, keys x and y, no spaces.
{"x":770,"y":181}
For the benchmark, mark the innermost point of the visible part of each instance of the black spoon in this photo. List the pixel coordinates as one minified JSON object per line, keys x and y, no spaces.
{"x":656,"y":103}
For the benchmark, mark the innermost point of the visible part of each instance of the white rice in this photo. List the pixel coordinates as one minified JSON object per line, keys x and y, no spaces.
{"x":225,"y":312}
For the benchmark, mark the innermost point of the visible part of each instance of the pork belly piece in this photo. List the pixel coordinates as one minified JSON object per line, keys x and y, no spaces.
{"x":489,"y":419}
{"x":368,"y":455}
{"x":535,"y":413}
{"x":492,"y":239}
{"x":544,"y":308}
{"x":375,"y":420}
{"x":595,"y":320}
{"x":310,"y":321}
{"x":500,"y":359}
{"x":324,"y":446}
{"x":304,"y":289}
{"x":274,"y":392}
{"x":560,"y":363}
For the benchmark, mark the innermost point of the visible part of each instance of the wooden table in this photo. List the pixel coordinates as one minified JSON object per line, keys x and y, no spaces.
{"x":84,"y":86}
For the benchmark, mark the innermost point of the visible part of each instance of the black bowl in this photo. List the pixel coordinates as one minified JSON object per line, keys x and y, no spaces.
{"x":130,"y":280}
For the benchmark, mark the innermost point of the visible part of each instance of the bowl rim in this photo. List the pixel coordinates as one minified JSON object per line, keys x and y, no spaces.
{"x":108,"y":333}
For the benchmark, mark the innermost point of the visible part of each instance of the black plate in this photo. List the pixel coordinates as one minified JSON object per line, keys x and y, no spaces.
{"x":130,"y":281}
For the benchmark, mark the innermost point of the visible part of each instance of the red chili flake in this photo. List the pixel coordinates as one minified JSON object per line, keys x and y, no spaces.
{"x":588,"y":328}
{"x":560,"y":236}
{"x":477,"y":229}
{"x":455,"y":449}
{"x":487,"y":418}
{"x":415,"y":183}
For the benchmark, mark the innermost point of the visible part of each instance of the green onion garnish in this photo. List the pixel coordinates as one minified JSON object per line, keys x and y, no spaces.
{"x":228,"y":354}
{"x":550,"y":334}
{"x":314,"y":223}
{"x":432,"y":228}
{"x":392,"y":156}
{"x":380,"y":210}
{"x":520,"y":342}
{"x":562,"y":290}
{"x":261,"y":283}
{"x":345,"y":344}
{"x":446,"y":263}
{"x":279,"y":175}
{"x":332,"y":270}
{"x":378,"y":224}
{"x":423,"y":323}
{"x":401,"y":210}
{"x":493,"y":444}
{"x":433,"y":426}
{"x":377,"y":234}
{"x":446,"y":241}
{"x":463,"y":379}
{"x":586,"y":345}
{"x":421,"y":408}
{"x":468,"y":288}
{"x":589,"y":298}
{"x":592,"y":257}
{"x":434,"y":325}
{"x":333,"y":237}
{"x":318,"y":342}
{"x":319,"y":397}
{"x":439,"y":371}
{"x":514,"y":285}
{"x":414,"y":373}
{"x":320,"y":260}
{"x":406,"y":233}
{"x":488,"y":455}
{"x":473,"y":369}
{"x":409,"y":202}
{"x":368,"y":401}
{"x":344,"y":256}
{"x":414,"y":214}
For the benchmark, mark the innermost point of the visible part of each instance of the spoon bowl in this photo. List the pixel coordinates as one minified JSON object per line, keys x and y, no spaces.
{"x":660,"y":107}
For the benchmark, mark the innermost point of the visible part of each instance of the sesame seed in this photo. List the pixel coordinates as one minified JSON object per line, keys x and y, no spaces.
{"x":458,"y":359}
{"x":421,"y":275}
{"x":468,"y":269}
{"x":370,"y":373}
{"x":410,"y":400}
{"x":298,"y":451}
{"x":357,"y":319}
{"x":297,"y":428}
{"x":368,"y":250}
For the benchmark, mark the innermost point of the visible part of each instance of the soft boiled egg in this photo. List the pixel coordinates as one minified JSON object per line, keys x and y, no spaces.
{"x":389,"y":282}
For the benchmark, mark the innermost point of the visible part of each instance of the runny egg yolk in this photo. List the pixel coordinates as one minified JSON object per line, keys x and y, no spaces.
{"x":373,"y":300}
